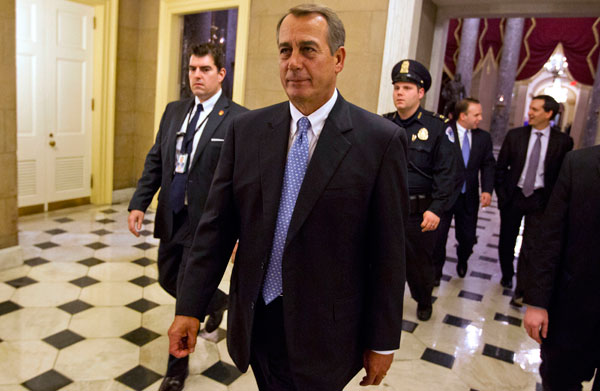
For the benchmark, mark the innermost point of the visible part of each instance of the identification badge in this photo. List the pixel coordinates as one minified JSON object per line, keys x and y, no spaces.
{"x":181,"y":164}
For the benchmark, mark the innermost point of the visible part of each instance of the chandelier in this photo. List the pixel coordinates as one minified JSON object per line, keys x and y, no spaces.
{"x":557,"y":65}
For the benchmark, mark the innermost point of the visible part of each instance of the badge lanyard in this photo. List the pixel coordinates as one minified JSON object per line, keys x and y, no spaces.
{"x":181,"y":164}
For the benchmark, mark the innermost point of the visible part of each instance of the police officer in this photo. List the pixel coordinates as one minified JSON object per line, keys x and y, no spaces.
{"x":431,"y":173}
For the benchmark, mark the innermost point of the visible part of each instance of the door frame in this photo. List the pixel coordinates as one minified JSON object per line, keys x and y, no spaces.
{"x":106,"y":13}
{"x":169,"y":45}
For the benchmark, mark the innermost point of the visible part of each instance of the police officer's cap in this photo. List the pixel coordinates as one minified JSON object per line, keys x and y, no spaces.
{"x":413,"y":72}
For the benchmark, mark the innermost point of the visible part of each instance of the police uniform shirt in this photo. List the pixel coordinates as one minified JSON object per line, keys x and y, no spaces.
{"x":432,"y":164}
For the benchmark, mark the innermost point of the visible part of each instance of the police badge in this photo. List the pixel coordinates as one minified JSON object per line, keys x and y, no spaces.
{"x":423,"y":134}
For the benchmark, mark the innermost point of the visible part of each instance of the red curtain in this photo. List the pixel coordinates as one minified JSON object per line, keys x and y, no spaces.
{"x":580,"y":38}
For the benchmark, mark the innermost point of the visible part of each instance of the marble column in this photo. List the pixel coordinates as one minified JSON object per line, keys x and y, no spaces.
{"x":590,"y":131}
{"x":507,"y":74}
{"x":466,"y":56}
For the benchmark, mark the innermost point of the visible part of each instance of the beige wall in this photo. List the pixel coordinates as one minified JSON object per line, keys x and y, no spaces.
{"x":8,"y":127}
{"x":365,"y":23}
{"x":136,"y":85}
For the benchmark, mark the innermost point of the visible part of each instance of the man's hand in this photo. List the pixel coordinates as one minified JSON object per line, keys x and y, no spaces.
{"x":182,"y":335}
{"x":536,"y":319}
{"x":430,"y":221}
{"x":376,"y":366}
{"x":134,"y":221}
{"x":486,"y":199}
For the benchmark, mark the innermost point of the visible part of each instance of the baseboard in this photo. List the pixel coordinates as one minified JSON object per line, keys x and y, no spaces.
{"x":11,"y":257}
{"x":122,"y":195}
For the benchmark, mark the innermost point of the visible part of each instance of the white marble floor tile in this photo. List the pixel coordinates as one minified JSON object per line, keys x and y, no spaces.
{"x":33,"y":323}
{"x":159,"y":319}
{"x":75,"y":238}
{"x":46,"y":294}
{"x":111,"y":293}
{"x":116,"y":271}
{"x":23,"y":360}
{"x":158,"y":295}
{"x":67,"y":253}
{"x":119,"y":254}
{"x":6,"y":291}
{"x":15,"y":272}
{"x":58,"y":271}
{"x":96,"y":385}
{"x":105,"y":322}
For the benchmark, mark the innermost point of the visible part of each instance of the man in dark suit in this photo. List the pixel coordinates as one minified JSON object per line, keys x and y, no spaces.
{"x":315,"y":189}
{"x":562,"y":300}
{"x":473,"y":150}
{"x":181,"y":163}
{"x":527,"y":168}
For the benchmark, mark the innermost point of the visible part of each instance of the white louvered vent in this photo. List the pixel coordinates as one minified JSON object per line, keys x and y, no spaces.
{"x":69,"y":173}
{"x":26,"y":178}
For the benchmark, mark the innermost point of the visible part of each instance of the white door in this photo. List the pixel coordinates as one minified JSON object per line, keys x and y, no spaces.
{"x":54,"y":93}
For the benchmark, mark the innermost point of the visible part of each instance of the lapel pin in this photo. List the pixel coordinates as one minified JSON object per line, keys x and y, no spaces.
{"x":221,"y":112}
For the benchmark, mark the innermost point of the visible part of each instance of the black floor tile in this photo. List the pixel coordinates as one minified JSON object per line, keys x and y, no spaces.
{"x":96,"y":245}
{"x":144,"y":246}
{"x":55,"y":231}
{"x":480,"y":227}
{"x":456,"y":321}
{"x":492,"y":245}
{"x":452,"y":259}
{"x":223,"y":373}
{"x":35,"y":261}
{"x":439,"y":358}
{"x":48,"y":381}
{"x":433,"y":299}
{"x":75,"y":306}
{"x":145,"y":232}
{"x":105,"y":221}
{"x":539,"y":387}
{"x":64,"y":220}
{"x":499,"y":353}
{"x":90,"y":262}
{"x":496,"y":235}
{"x":8,"y":307}
{"x":144,"y":261}
{"x":484,"y":218}
{"x":446,"y":277}
{"x":470,"y":295}
{"x":143,"y":281}
{"x":63,"y":339}
{"x":138,"y":378}
{"x":46,"y":245}
{"x":409,"y":326}
{"x":20,"y":282}
{"x":484,"y":276}
{"x":488,"y":259}
{"x":84,"y":281}
{"x":101,"y":232}
{"x":142,"y":305}
{"x":147,"y":221}
{"x":507,"y":292}
{"x":490,"y":212}
{"x":108,"y":211}
{"x":140,"y":336}
{"x":508,"y":319}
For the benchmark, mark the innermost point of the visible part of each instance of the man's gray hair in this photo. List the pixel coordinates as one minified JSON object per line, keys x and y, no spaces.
{"x":336,"y":34}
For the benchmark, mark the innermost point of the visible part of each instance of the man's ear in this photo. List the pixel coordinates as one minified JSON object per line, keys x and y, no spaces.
{"x":340,"y":57}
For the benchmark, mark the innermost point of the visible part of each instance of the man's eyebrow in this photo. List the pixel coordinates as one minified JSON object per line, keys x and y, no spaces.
{"x":308,"y":43}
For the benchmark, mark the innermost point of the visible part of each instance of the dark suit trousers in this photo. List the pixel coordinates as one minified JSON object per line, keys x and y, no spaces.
{"x":419,"y":259}
{"x":268,"y":351}
{"x":171,"y":257}
{"x":564,"y":369}
{"x":532,"y":208}
{"x":465,"y":230}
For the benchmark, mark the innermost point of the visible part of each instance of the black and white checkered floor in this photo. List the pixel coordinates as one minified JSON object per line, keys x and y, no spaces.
{"x":85,"y":313}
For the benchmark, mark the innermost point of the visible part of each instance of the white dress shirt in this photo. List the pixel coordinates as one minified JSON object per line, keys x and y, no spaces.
{"x":539,"y":175}
{"x":461,"y":135}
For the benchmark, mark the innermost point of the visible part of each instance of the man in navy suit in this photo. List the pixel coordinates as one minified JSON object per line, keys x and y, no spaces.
{"x":527,"y":168}
{"x":181,"y":163}
{"x":316,"y":191}
{"x":473,"y":150}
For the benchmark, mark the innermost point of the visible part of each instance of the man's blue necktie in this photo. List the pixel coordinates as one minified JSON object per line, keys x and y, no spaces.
{"x":466,"y":150}
{"x":178,"y":184}
{"x":295,"y":168}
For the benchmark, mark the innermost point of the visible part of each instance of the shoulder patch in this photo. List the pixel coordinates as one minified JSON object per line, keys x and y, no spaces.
{"x":450,"y":134}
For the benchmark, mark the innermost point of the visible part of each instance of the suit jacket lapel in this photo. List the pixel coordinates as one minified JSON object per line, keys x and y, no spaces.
{"x":177,"y":122}
{"x":457,"y":141}
{"x":523,"y":145}
{"x":214,"y":120}
{"x":272,"y":156}
{"x":328,"y":154}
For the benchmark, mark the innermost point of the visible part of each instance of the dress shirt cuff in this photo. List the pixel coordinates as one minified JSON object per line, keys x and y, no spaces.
{"x":383,"y":351}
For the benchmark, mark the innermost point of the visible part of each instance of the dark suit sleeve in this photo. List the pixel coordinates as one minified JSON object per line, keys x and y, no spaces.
{"x":502,"y":167}
{"x":549,"y":249}
{"x":445,"y":168}
{"x":214,"y":240}
{"x":488,"y":165}
{"x":387,"y":216}
{"x":151,"y":178}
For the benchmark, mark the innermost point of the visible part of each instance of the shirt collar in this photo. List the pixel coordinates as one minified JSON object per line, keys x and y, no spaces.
{"x":545,"y":131}
{"x":317,"y":118}
{"x":460,"y":128}
{"x":208,"y":104}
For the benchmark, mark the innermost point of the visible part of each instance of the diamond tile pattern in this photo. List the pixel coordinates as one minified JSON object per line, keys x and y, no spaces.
{"x":471,"y":317}
{"x":138,"y":378}
{"x":47,"y":381}
{"x":96,"y":245}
